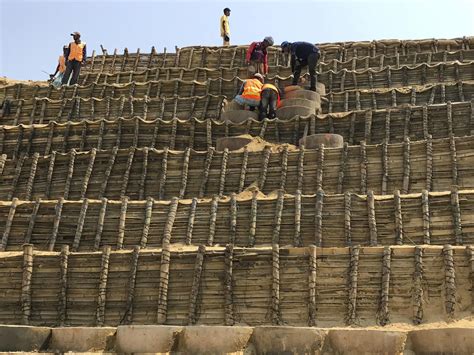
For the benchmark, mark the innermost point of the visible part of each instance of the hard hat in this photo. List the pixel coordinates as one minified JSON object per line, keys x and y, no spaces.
{"x":269,"y":40}
{"x":284,"y":44}
{"x":259,"y":76}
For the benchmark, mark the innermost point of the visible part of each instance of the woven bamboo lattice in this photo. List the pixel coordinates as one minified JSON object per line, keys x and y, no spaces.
{"x":215,"y":83}
{"x":373,"y":127}
{"x":273,"y":286}
{"x":44,"y":110}
{"x":435,"y":218}
{"x":90,"y":74}
{"x":345,"y":79}
{"x":151,"y":89}
{"x":336,"y":102}
{"x":230,"y":57}
{"x":384,"y":98}
{"x":137,"y":173}
{"x":127,"y":214}
{"x":334,"y":81}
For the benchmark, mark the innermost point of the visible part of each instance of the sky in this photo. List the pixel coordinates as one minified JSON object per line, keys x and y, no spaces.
{"x":32,"y":32}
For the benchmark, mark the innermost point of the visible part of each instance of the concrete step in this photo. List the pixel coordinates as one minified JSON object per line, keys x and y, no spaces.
{"x":442,"y":339}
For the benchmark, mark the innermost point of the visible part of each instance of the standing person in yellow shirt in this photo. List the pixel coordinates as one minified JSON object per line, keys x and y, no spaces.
{"x":225,"y":28}
{"x":76,"y":56}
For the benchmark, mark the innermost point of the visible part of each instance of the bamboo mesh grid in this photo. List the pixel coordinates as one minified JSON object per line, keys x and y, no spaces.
{"x":432,"y":218}
{"x":208,"y":286}
{"x":392,"y":125}
{"x":44,"y":110}
{"x":334,"y":81}
{"x":151,"y":90}
{"x":215,"y":83}
{"x":161,"y":232}
{"x":91,"y":73}
{"x":434,"y":165}
{"x":354,"y":100}
{"x":234,"y":56}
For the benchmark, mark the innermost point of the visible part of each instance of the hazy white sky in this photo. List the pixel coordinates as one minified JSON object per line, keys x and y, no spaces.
{"x":32,"y":32}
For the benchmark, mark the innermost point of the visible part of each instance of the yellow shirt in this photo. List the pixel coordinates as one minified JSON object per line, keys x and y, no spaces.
{"x":224,"y":25}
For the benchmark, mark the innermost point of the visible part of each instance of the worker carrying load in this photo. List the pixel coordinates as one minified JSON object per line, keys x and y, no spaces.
{"x":302,"y":54}
{"x":269,"y":101}
{"x":257,"y":56}
{"x":60,"y":68}
{"x":76,"y":56}
{"x":225,"y":28}
{"x":249,"y":93}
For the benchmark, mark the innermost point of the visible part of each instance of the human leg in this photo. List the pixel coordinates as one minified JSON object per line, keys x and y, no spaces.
{"x":312,"y":62}
{"x":272,"y":105}
{"x":76,"y":69}
{"x":264,"y":103}
{"x":67,"y":73}
{"x":296,"y":73}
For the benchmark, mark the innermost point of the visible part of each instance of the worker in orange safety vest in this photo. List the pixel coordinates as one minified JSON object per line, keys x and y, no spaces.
{"x":269,"y":101}
{"x":76,"y":56}
{"x":249,"y":93}
{"x":60,"y":68}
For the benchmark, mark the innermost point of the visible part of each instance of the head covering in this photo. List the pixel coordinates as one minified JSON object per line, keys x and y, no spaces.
{"x":285,"y":44}
{"x":259,"y":76}
{"x":226,"y":9}
{"x":269,"y":40}
{"x":76,"y":34}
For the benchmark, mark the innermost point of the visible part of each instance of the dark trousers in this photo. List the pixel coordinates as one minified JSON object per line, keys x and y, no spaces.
{"x":74,"y":67}
{"x":268,"y":104}
{"x":311,"y":62}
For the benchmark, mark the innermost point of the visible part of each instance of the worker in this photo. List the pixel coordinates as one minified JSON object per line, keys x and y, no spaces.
{"x":76,"y":56}
{"x":225,"y":28}
{"x":269,"y":101}
{"x":302,"y":54}
{"x":60,"y":68}
{"x":249,"y":93}
{"x":257,"y":56}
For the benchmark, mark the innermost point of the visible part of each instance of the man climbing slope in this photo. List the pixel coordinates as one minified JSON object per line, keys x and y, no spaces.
{"x":225,"y":28}
{"x":302,"y":54}
{"x":76,"y":56}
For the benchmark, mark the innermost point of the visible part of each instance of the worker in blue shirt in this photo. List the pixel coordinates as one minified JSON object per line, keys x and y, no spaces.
{"x":302,"y":54}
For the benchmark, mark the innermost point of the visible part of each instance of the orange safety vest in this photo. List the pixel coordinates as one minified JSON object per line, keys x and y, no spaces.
{"x":62,"y":64}
{"x":273,"y":87}
{"x":76,"y":52}
{"x":252,"y":89}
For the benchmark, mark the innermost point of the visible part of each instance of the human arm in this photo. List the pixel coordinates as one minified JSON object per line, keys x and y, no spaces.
{"x":224,"y":30}
{"x":292,"y":62}
{"x":241,"y":90}
{"x":66,"y":54}
{"x":249,"y":52}
{"x":265,"y":63}
{"x":55,"y":72}
{"x":84,"y":55}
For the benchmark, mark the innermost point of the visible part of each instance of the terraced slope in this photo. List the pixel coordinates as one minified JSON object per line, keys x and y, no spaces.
{"x":117,"y":208}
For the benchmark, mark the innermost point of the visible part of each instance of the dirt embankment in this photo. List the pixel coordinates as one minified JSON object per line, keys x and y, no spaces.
{"x":4,"y":81}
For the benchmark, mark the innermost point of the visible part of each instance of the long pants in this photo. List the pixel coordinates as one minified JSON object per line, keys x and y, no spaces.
{"x":268,"y":104}
{"x":74,"y":67}
{"x":311,"y":62}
